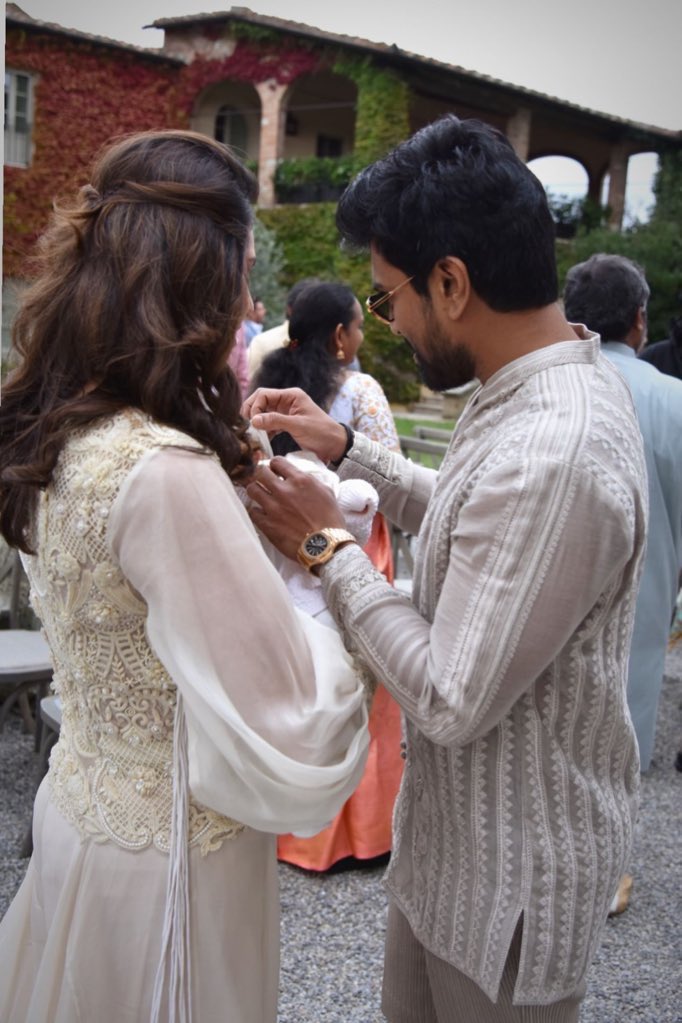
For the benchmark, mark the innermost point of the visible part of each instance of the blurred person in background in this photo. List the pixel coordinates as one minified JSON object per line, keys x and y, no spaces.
{"x":326,"y":332}
{"x":253,"y":322}
{"x":238,"y":361}
{"x":666,"y":355}
{"x":270,"y":340}
{"x":609,"y":294}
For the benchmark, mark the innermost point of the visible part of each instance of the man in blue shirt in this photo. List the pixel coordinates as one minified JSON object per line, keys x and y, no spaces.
{"x":609,"y":294}
{"x":253,"y":324}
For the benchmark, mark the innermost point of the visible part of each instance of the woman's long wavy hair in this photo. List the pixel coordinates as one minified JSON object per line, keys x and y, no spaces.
{"x":309,"y":360}
{"x":140,"y":291}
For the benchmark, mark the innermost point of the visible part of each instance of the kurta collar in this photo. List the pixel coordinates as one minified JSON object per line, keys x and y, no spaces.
{"x":516,"y":373}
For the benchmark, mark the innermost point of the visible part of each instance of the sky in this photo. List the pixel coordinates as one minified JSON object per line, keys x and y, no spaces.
{"x":616,"y":56}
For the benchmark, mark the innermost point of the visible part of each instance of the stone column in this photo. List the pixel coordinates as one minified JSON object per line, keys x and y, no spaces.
{"x":518,"y":132}
{"x":273,"y":113}
{"x":618,"y":173}
{"x":594,"y":186}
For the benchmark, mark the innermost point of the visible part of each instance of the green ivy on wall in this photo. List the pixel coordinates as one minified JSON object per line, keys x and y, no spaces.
{"x":254,"y":33}
{"x":308,"y":235}
{"x":382,"y":116}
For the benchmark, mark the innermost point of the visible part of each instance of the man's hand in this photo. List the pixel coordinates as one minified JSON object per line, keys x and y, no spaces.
{"x":292,"y":411}
{"x":288,"y":504}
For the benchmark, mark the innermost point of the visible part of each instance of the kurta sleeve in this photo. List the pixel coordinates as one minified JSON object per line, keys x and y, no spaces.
{"x":535,"y":549}
{"x":276,"y":714}
{"x":404,"y":487}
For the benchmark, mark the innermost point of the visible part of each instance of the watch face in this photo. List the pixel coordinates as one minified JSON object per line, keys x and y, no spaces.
{"x":316,"y":544}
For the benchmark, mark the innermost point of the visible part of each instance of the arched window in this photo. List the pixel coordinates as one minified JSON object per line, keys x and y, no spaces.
{"x":231,"y":128}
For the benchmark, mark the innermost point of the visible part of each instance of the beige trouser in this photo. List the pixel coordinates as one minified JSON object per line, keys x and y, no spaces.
{"x":421,"y":988}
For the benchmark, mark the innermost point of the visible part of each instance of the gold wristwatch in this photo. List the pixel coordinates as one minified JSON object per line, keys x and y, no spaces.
{"x":318,"y":547}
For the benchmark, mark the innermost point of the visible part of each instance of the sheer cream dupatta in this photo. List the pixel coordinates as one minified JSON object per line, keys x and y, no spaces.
{"x":299,"y":791}
{"x":271,"y":721}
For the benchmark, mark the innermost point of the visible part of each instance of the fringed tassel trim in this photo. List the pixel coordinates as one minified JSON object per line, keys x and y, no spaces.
{"x":173,"y":976}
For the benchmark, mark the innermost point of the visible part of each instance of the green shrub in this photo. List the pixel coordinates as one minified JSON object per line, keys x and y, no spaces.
{"x":313,"y":178}
{"x":266,"y":277}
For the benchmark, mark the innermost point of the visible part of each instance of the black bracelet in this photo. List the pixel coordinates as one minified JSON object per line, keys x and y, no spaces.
{"x":350,"y":440}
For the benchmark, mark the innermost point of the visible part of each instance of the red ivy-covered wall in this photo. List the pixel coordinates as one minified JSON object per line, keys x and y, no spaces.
{"x":250,"y":62}
{"x":84,"y":94}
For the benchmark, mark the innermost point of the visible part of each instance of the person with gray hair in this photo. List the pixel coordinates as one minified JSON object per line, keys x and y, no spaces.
{"x":609,"y":295}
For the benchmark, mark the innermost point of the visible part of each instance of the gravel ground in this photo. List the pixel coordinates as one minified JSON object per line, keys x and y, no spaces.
{"x":333,"y":924}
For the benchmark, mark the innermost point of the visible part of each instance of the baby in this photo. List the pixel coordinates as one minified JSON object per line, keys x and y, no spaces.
{"x":358,"y":501}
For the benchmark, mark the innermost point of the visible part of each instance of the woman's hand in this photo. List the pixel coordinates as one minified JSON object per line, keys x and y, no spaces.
{"x":292,"y":411}
{"x":287,"y":504}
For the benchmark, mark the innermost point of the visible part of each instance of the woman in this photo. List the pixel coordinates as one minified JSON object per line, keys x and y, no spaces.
{"x":190,"y":734}
{"x":326,"y":334}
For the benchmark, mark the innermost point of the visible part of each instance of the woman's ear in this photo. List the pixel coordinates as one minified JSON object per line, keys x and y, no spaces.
{"x":451,"y":284}
{"x":337,"y":342}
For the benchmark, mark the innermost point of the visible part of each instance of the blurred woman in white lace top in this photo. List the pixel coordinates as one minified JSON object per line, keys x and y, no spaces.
{"x":326,"y":331}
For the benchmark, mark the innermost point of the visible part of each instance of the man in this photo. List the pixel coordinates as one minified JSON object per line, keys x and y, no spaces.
{"x":253,"y":324}
{"x":667,"y":355}
{"x":515,"y":816}
{"x":610,"y":295}
{"x":270,"y":340}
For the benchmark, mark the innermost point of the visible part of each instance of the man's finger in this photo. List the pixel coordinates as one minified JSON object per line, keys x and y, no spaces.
{"x":269,"y":399}
{"x":259,"y":492}
{"x":283,"y":468}
{"x":271,"y":422}
{"x":261,"y":399}
{"x":258,"y":515}
{"x":277,"y":469}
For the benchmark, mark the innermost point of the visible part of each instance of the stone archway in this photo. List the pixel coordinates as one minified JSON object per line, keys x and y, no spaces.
{"x":567,"y":182}
{"x":230,"y":112}
{"x":564,"y":174}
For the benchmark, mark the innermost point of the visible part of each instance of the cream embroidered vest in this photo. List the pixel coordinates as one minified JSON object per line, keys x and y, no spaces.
{"x":111,"y":771}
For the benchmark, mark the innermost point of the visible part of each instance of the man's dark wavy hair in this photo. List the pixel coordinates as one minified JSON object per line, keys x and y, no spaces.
{"x":457,"y":188}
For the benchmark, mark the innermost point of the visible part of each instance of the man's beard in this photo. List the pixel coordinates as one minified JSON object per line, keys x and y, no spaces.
{"x":446,"y":365}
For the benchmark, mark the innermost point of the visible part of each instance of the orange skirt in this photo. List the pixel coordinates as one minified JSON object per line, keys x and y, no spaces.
{"x":363,"y":827}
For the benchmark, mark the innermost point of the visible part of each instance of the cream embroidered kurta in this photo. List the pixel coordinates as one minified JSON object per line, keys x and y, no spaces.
{"x":149,"y":579}
{"x":510,"y":665}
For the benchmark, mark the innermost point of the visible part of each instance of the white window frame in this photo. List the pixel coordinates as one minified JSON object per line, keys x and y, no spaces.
{"x":18,"y":140}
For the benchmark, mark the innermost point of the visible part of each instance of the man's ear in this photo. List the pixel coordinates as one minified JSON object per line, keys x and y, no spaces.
{"x":640,"y":318}
{"x":451,"y":285}
{"x":640,"y":329}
